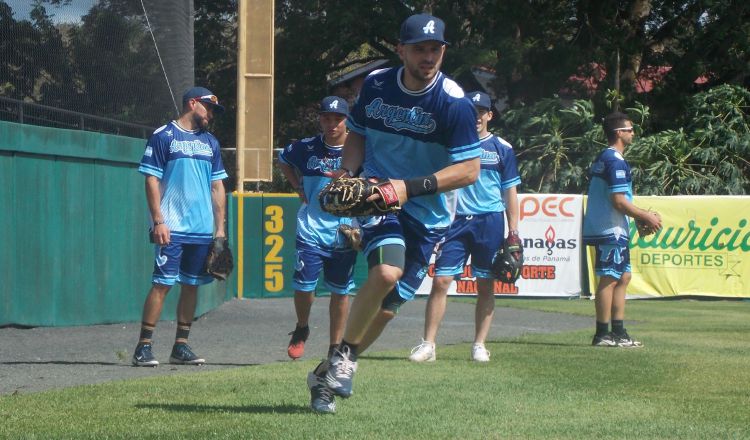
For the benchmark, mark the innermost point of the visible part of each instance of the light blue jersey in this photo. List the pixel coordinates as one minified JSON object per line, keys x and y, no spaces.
{"x":413,"y":134}
{"x":185,"y":162}
{"x":603,"y":224}
{"x":312,"y":157}
{"x":498,"y":173}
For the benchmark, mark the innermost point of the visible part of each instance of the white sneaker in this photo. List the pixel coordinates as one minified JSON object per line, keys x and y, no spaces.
{"x":424,"y":352}
{"x":479,"y":353}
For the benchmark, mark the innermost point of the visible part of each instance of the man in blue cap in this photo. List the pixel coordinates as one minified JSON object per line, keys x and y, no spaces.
{"x":186,"y":199}
{"x":477,"y":231}
{"x":413,"y":126}
{"x":307,"y":165}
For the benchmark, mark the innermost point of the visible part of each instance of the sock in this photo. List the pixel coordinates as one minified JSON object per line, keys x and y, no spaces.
{"x":147,"y":332}
{"x":602,"y":328}
{"x":183,"y":331}
{"x":618,"y":327}
{"x":322,"y":368}
{"x":352,"y":350}
{"x":330,"y":350}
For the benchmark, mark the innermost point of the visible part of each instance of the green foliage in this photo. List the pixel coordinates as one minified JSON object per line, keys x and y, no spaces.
{"x":556,"y":141}
{"x":688,"y":382}
{"x":708,"y":156}
{"x":554,"y":144}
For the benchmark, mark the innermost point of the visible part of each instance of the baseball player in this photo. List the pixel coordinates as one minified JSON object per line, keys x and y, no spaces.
{"x":478,"y":230}
{"x":606,"y":226}
{"x":413,"y":125}
{"x":307,"y":164}
{"x":186,"y":199}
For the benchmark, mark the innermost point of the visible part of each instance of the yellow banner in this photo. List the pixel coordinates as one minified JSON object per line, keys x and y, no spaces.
{"x":703,"y":249}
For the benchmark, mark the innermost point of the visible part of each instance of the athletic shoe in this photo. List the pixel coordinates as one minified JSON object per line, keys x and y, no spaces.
{"x":424,"y":352}
{"x":183,"y":355}
{"x":625,"y":341}
{"x":143,"y":356}
{"x":604,"y":341}
{"x":479,"y":353}
{"x":297,"y":343}
{"x":341,"y":373}
{"x":322,"y":399}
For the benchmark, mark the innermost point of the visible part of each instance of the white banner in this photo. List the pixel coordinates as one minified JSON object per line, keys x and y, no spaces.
{"x":550,"y":227}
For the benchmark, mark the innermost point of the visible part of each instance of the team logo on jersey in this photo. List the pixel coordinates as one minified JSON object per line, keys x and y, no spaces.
{"x":377,"y":84}
{"x":191,"y":148}
{"x":429,"y":28}
{"x":400,"y":118}
{"x":169,"y":133}
{"x":490,"y":157}
{"x":324,"y":164}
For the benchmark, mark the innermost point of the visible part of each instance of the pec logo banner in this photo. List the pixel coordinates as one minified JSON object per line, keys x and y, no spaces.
{"x":547,"y":206}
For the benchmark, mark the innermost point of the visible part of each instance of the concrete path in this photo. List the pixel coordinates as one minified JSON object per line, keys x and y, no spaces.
{"x":238,"y":333}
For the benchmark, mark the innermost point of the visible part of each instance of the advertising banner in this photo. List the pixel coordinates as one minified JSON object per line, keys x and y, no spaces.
{"x":703,"y":248}
{"x":550,"y":227}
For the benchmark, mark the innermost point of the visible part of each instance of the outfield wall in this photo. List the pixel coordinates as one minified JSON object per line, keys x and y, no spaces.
{"x":73,"y":230}
{"x":704,"y":248}
{"x":74,"y":248}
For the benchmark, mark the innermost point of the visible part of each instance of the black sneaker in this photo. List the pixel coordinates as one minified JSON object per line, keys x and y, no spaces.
{"x":183,"y":355}
{"x":322,"y":399}
{"x":625,"y":341}
{"x":604,"y":341}
{"x":143,"y":356}
{"x":296,"y":347}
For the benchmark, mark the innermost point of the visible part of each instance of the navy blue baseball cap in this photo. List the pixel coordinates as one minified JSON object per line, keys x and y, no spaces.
{"x":334,"y":104}
{"x":422,"y":27}
{"x":480,"y":99}
{"x":203,"y":95}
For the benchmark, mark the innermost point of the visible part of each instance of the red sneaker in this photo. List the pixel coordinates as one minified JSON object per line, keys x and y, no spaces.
{"x":297,"y":343}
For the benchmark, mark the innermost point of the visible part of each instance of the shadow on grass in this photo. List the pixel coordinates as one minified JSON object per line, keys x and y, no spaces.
{"x":122,"y":364}
{"x":255,"y":409}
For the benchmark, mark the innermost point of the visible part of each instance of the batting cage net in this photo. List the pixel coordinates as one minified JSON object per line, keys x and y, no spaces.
{"x":115,"y":66}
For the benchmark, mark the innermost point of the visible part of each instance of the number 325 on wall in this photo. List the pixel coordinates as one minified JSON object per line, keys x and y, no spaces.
{"x":272,"y":263}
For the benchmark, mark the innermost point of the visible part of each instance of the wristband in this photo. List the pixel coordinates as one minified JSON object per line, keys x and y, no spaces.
{"x":421,"y":186}
{"x":158,"y":223}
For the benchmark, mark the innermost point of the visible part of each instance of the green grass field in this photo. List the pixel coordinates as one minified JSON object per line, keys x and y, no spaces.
{"x":690,"y":381}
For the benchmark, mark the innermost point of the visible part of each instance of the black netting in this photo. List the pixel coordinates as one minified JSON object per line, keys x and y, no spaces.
{"x":97,"y":58}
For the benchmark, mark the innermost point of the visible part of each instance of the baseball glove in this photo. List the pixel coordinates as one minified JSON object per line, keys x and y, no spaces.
{"x":219,"y":262}
{"x":508,"y":261}
{"x":644,"y":230}
{"x":347,"y":197}
{"x":352,"y":237}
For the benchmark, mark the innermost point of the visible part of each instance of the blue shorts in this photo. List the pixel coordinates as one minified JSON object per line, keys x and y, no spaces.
{"x":418,"y":242}
{"x":477,"y":235}
{"x":612,"y":260}
{"x":183,"y":263}
{"x":337,"y":267}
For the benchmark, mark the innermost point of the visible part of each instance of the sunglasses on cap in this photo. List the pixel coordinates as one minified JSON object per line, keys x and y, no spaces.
{"x":626,"y":129}
{"x":212,"y":98}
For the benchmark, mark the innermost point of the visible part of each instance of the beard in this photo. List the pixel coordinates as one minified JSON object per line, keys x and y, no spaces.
{"x":200,"y":121}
